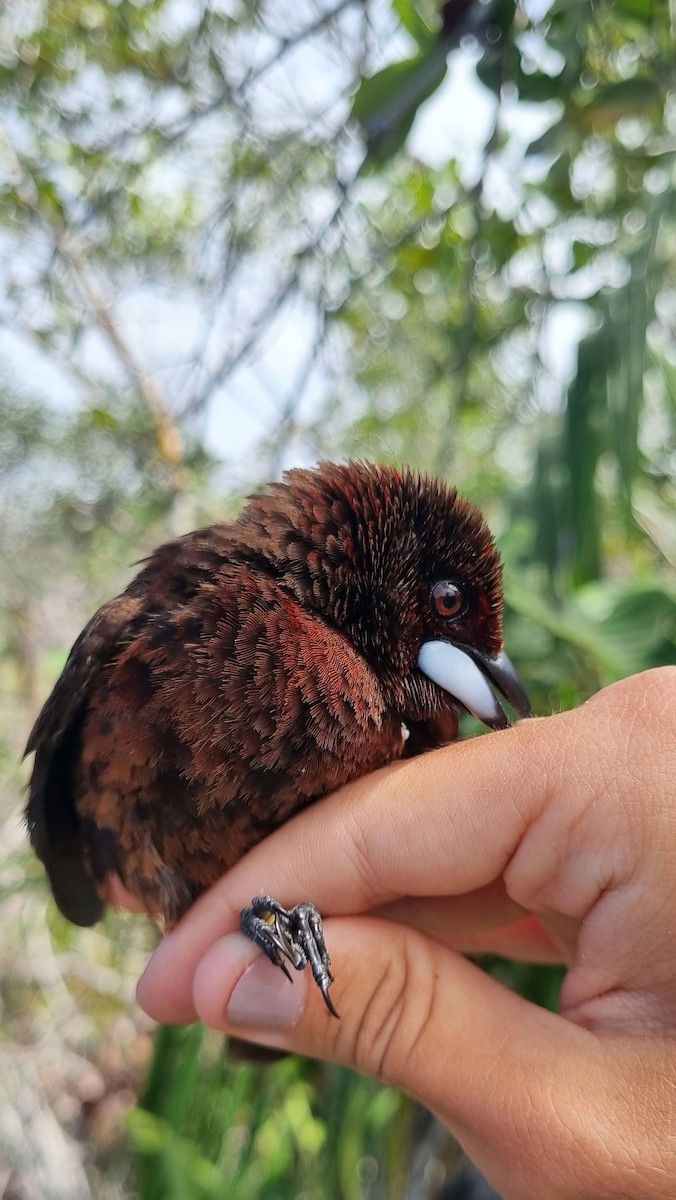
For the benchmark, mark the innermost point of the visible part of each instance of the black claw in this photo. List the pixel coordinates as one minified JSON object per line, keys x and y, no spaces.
{"x":295,"y":934}
{"x":328,"y":1001}
{"x":266,"y":937}
{"x":283,"y":967}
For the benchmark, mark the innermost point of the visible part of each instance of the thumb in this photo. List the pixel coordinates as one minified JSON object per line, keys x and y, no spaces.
{"x":524,"y":1090}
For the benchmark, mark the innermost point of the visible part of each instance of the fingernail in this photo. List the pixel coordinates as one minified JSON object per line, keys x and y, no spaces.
{"x":265,"y":999}
{"x":156,"y":973}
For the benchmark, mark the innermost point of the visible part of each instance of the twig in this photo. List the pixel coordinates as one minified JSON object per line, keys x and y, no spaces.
{"x":169,"y":439}
{"x":231,"y":360}
{"x":284,"y":427}
{"x":168,"y":436}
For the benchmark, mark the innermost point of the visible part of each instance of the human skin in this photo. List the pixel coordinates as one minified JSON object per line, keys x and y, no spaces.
{"x":552,"y":841}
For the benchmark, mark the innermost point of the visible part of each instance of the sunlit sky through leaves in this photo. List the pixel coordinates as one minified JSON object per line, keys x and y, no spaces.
{"x":164,"y":319}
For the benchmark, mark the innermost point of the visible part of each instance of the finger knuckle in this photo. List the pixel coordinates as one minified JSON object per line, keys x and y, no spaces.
{"x":394,"y":1028}
{"x":362,"y":856}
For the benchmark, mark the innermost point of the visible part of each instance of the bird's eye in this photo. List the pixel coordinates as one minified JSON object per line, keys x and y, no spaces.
{"x":447,"y":599}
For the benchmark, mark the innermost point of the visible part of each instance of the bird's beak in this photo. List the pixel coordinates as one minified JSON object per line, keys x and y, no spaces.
{"x":465,"y":675}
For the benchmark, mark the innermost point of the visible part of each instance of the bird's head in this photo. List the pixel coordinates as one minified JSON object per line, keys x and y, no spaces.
{"x":402,"y":567}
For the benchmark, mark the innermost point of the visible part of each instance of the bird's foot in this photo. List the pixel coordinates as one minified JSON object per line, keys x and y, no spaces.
{"x":294,"y":936}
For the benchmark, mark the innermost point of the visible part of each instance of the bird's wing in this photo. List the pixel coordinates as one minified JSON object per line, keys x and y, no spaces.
{"x":54,"y":826}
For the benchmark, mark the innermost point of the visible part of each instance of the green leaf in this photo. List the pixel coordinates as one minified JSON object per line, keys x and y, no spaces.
{"x":644,"y":10}
{"x":490,"y":71}
{"x":585,"y":426}
{"x":550,"y":142}
{"x":611,"y":101}
{"x":641,"y":630}
{"x":537,"y":87}
{"x":414,"y":23}
{"x":582,"y":254}
{"x":385,"y":105}
{"x":102,"y":418}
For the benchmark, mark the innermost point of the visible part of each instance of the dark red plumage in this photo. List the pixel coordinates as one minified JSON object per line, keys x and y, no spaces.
{"x":250,"y":668}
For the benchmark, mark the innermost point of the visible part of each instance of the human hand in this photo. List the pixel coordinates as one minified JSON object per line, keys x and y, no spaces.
{"x":553,"y":841}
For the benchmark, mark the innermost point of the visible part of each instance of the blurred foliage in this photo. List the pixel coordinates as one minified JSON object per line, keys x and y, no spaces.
{"x":279,"y":1131}
{"x":235,"y":237}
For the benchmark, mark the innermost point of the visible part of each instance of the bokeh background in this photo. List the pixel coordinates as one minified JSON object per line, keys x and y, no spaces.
{"x":239,"y":235}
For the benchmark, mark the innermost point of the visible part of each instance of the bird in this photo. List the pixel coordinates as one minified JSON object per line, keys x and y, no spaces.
{"x":343,"y":621}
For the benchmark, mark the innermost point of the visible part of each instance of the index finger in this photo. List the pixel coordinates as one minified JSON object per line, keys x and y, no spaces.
{"x":445,"y":823}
